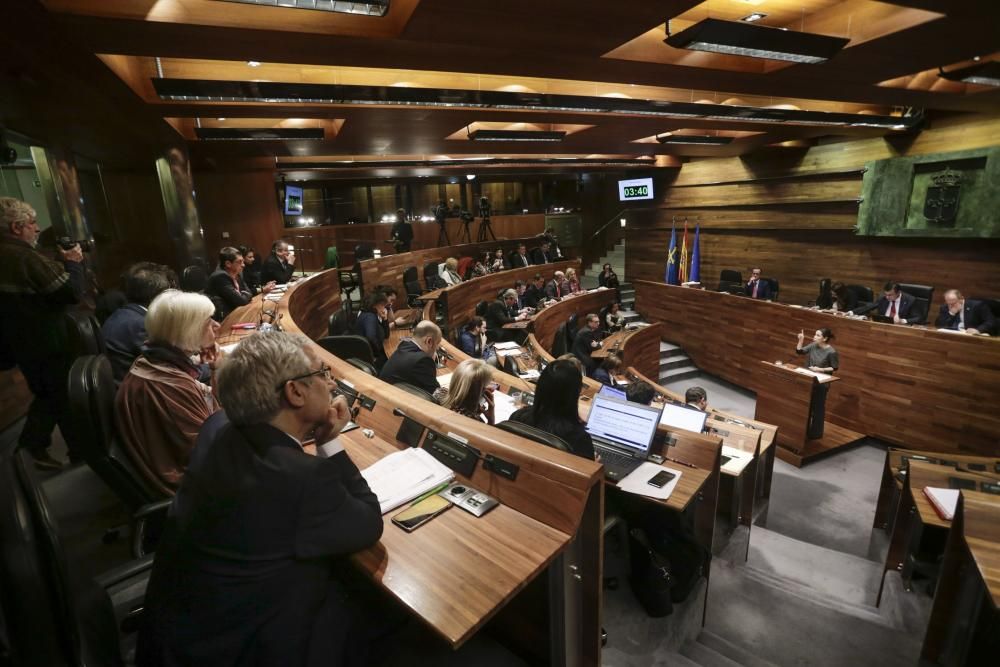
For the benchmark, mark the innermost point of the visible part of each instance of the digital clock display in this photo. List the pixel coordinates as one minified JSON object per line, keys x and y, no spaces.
{"x":635,"y":188}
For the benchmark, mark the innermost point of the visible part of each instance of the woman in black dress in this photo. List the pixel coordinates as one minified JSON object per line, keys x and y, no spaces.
{"x":555,"y":409}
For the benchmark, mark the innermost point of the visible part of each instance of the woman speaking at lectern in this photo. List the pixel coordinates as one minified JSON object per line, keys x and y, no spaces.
{"x":821,"y":358}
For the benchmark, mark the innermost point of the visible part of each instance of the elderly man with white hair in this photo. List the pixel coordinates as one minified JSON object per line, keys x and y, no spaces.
{"x":36,"y":292}
{"x":251,"y":569}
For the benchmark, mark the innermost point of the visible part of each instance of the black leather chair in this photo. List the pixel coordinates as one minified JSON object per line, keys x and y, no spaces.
{"x":350,"y":283}
{"x":863,"y":294}
{"x":91,"y":389}
{"x":415,"y":391}
{"x":731,"y":281}
{"x":53,"y":616}
{"x":432,"y":278}
{"x":532,"y":433}
{"x":922,"y":295}
{"x":571,"y":328}
{"x":363,"y":365}
{"x":559,"y":347}
{"x":347,"y":347}
{"x":84,"y":334}
{"x":773,"y":282}
{"x":341,"y":322}
{"x":194,"y":278}
{"x":511,"y":366}
{"x":411,"y":281}
{"x":992,"y":304}
{"x":363,"y":251}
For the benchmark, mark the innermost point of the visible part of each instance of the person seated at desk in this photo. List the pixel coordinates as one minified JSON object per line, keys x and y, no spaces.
{"x":472,"y":341}
{"x":542,"y":254}
{"x":470,"y":391}
{"x":479,"y":270}
{"x":519,"y":258}
{"x":124,"y":332}
{"x":500,"y":312}
{"x":534,"y":295}
{"x":250,"y":569}
{"x":555,"y":409}
{"x":449,"y":272}
{"x":640,"y":392}
{"x":391,"y":321}
{"x":161,"y":405}
{"x":835,"y":296}
{"x":696,"y":397}
{"x":588,"y":340}
{"x":606,"y":371}
{"x":966,"y":315}
{"x":820,"y":358}
{"x":549,"y":235}
{"x":279,"y":266}
{"x":251,"y":268}
{"x":894,"y":303}
{"x":373,"y":325}
{"x":498,"y":263}
{"x":757,"y":287}
{"x":553,"y":288}
{"x":613,"y":319}
{"x":413,"y":360}
{"x":608,"y":278}
{"x":521,"y":287}
{"x":571,"y":284}
{"x":226,"y":283}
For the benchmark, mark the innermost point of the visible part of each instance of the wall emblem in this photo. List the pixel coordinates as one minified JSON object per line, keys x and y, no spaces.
{"x":941,"y":202}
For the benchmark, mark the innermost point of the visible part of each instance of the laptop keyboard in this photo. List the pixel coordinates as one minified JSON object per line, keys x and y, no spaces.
{"x":618,"y":462}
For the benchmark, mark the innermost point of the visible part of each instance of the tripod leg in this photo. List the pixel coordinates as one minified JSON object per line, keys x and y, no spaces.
{"x":443,"y":239}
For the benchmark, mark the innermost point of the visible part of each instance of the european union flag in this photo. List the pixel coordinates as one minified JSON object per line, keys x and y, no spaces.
{"x":695,"y":258}
{"x":672,"y":260}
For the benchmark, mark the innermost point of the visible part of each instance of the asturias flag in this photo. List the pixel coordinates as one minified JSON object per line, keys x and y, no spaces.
{"x":695,"y":276}
{"x":671,"y":277}
{"x":684,"y":255}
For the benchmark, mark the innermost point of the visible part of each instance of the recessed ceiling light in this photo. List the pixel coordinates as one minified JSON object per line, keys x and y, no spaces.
{"x":253,"y":63}
{"x":753,"y":18}
{"x":470,"y":177}
{"x":220,"y":119}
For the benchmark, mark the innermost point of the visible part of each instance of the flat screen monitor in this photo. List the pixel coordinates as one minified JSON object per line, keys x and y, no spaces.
{"x":679,"y":416}
{"x":608,"y":390}
{"x":293,"y":200}
{"x":635,"y":188}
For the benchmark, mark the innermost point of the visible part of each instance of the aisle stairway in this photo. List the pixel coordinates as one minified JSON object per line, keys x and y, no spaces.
{"x":675,"y":364}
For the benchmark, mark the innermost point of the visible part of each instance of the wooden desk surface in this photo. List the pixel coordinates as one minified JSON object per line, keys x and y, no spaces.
{"x":456,"y":571}
{"x":981,"y":526}
{"x":922,"y":474}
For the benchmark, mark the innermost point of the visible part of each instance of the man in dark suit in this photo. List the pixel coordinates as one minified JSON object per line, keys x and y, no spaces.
{"x":965,"y":315}
{"x":518,"y":258}
{"x":279,"y":265}
{"x":503,"y":311}
{"x":588,"y":340}
{"x":226,"y":285}
{"x":402,"y":232}
{"x":553,"y":288}
{"x":757,"y":287}
{"x":535,"y":293}
{"x":894,"y":304}
{"x":250,"y":567}
{"x":413,"y":360}
{"x":541,"y":254}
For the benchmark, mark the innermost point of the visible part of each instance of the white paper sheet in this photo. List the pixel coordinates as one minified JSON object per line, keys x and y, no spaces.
{"x":402,"y":476}
{"x":637,"y":481}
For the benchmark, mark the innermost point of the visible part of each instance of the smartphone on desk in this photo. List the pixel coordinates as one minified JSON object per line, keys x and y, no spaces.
{"x":420,"y":513}
{"x":661,"y":479}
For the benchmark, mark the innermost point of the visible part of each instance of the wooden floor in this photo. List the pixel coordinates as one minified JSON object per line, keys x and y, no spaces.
{"x":834,"y":438}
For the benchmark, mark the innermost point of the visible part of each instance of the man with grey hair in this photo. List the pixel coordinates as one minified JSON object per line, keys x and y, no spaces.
{"x":503,"y":311}
{"x":250,"y":563}
{"x":553,"y":288}
{"x":413,"y":361}
{"x":33,"y":335}
{"x":966,"y":315}
{"x":280,"y":264}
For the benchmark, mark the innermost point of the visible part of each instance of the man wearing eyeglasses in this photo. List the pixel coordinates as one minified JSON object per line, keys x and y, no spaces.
{"x":252,"y":559}
{"x":37,"y":292}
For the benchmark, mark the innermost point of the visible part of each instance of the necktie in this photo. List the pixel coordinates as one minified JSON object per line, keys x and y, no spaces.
{"x":755,"y":288}
{"x":892,"y":310}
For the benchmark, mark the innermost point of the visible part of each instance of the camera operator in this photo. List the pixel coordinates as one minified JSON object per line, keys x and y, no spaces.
{"x":34,"y":334}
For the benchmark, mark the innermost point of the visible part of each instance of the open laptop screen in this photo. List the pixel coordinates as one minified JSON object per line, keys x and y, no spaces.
{"x":611,"y":392}
{"x":628,"y":425}
{"x":679,"y":416}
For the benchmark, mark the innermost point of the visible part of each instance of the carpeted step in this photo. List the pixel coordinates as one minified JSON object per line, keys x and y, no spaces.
{"x":732,"y":651}
{"x":706,"y":656}
{"x":674,"y":660}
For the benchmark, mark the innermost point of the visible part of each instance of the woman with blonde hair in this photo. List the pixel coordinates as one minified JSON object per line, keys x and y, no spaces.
{"x":572,"y":283}
{"x":161,"y":404}
{"x":469,"y":391}
{"x":449,"y":272}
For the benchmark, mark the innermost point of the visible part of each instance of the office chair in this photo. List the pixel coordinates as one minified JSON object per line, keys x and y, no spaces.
{"x":332,"y":258}
{"x":54,"y":616}
{"x":510,"y":366}
{"x":350,"y":282}
{"x":465,"y":265}
{"x":536,"y":434}
{"x":348,"y":346}
{"x":363,"y":365}
{"x":415,"y":391}
{"x":922,"y":295}
{"x":84,"y":334}
{"x":431,"y":277}
{"x":411,"y":282}
{"x":862,"y":294}
{"x":571,"y":323}
{"x":992,"y":304}
{"x":363,"y":251}
{"x":773,"y":282}
{"x":481,"y":308}
{"x":341,"y":321}
{"x":194,"y":279}
{"x":559,"y":342}
{"x":91,"y":394}
{"x":731,"y":281}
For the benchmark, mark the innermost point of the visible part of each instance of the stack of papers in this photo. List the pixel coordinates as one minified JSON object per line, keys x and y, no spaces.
{"x":529,"y":375}
{"x":402,"y":476}
{"x":503,"y":407}
{"x":637,"y":481}
{"x":516,"y":352}
{"x":944,"y":501}
{"x":507,"y":345}
{"x":806,"y":371}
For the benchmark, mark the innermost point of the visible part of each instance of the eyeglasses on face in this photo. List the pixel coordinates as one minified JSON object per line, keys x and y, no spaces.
{"x":323,"y":370}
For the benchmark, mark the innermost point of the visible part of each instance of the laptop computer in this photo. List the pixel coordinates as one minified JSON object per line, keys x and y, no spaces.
{"x":622,"y":433}
{"x":683,"y":417}
{"x":611,"y":392}
{"x":884,"y":319}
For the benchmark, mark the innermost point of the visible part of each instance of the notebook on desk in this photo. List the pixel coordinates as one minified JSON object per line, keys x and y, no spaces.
{"x":622,"y":433}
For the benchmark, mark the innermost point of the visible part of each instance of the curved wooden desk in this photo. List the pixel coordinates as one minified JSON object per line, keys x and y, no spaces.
{"x":554,"y":505}
{"x":915,"y":387}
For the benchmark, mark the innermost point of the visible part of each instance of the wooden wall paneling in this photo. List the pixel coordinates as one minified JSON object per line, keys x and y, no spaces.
{"x":910,"y":386}
{"x":825,"y":215}
{"x":135,"y":206}
{"x":242,"y":204}
{"x":642,"y":350}
{"x":831,"y":189}
{"x":545,"y":322}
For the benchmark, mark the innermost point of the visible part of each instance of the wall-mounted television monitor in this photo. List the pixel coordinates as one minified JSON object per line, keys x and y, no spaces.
{"x":293,"y":200}
{"x":635,"y":188}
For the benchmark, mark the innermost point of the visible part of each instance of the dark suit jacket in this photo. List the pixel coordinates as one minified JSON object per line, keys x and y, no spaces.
{"x":368,"y":326}
{"x":552,"y":290}
{"x":977,"y":315}
{"x":242,"y":575}
{"x":763,"y":290}
{"x":276,"y":270}
{"x":124,"y":333}
{"x":409,"y":364}
{"x":539,"y":257}
{"x":902,"y":309}
{"x":584,"y":344}
{"x":516,"y":261}
{"x":533,"y":295}
{"x":221,"y":285}
{"x":497,"y":315}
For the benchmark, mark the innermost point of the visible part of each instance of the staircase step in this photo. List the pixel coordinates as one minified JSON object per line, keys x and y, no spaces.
{"x":674,"y":660}
{"x":705,"y":656}
{"x":732,"y":651}
{"x":678,"y":362}
{"x":683,"y":373}
{"x":664,"y":345}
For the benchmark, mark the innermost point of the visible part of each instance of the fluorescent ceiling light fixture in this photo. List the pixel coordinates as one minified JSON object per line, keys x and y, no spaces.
{"x":470,"y":177}
{"x":753,"y":18}
{"x":693,"y":139}
{"x":253,"y":63}
{"x":984,"y":74}
{"x":757,"y":41}
{"x":516,"y":135}
{"x":258,"y":134}
{"x":370,"y":8}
